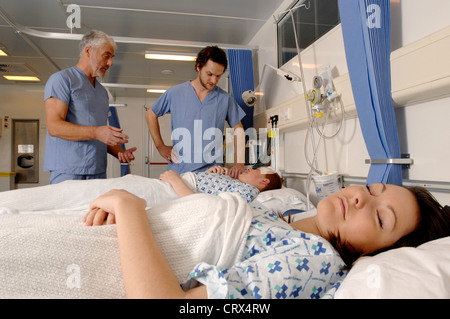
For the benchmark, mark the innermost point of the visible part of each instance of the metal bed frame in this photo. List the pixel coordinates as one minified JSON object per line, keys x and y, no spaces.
{"x":432,"y":186}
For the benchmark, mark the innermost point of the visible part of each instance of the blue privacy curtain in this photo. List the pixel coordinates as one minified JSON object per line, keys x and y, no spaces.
{"x":240,"y":65}
{"x":367,"y":38}
{"x":113,"y":120}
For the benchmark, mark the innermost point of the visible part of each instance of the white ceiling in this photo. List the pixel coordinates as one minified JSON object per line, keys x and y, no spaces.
{"x":229,"y":23}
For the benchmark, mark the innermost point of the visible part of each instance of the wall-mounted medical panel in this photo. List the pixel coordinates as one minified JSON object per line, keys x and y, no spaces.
{"x":293,"y":114}
{"x":420,"y":72}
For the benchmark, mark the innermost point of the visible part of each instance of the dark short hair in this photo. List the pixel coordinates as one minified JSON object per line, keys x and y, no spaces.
{"x":275,"y":181}
{"x":213,"y":53}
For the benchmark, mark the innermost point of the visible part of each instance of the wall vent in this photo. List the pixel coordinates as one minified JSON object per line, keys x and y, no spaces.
{"x":13,"y":68}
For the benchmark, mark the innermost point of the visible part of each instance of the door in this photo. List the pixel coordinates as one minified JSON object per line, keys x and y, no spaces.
{"x":25,"y":151}
{"x":154,"y":162}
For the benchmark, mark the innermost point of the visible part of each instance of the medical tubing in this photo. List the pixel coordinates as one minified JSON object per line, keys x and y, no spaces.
{"x":300,"y":63}
{"x":308,"y":111}
{"x":315,"y":150}
{"x":340,"y":123}
{"x":308,"y":180}
{"x":309,"y":132}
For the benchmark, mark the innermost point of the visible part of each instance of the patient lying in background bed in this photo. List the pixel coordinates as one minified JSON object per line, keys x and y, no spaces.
{"x":213,"y":181}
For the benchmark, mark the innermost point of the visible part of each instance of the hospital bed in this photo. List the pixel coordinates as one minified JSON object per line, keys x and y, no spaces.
{"x":422,"y":272}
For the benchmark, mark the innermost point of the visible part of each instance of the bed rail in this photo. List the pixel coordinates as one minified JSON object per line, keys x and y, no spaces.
{"x":432,"y":186}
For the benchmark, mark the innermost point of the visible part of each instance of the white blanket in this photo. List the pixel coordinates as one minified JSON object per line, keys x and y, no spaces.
{"x":47,"y":254}
{"x":75,"y":196}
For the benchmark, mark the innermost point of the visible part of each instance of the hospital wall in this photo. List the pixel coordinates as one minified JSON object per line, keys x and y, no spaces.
{"x":423,"y":127}
{"x":21,"y":102}
{"x":26,"y":102}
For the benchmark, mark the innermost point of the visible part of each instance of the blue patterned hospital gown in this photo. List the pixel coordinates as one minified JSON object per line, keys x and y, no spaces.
{"x":279,"y":262}
{"x":212,"y":183}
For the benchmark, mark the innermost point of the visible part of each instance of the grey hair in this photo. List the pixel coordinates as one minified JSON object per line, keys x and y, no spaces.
{"x":96,"y":38}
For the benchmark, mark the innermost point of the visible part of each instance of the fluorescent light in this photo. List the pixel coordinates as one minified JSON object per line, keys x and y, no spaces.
{"x":154,"y":55}
{"x":3,"y":53}
{"x":156,"y":91}
{"x":21,"y":78}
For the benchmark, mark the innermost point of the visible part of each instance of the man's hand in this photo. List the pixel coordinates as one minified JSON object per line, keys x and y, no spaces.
{"x":126,"y":156}
{"x":111,"y":136}
{"x":168,"y":153}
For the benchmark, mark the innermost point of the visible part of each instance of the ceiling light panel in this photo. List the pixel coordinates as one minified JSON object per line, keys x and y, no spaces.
{"x":155,"y":55}
{"x":21,"y":78}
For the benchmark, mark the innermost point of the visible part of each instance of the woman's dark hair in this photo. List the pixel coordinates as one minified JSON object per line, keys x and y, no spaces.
{"x":214,"y":53}
{"x":434,"y":223}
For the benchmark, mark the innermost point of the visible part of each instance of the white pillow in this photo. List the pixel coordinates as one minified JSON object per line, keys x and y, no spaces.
{"x":281,"y":200}
{"x":422,"y":272}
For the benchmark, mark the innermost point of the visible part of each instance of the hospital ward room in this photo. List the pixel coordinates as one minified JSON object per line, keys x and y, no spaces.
{"x":233,"y":149}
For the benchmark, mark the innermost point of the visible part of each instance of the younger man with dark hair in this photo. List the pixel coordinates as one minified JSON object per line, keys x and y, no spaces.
{"x":199,"y":109}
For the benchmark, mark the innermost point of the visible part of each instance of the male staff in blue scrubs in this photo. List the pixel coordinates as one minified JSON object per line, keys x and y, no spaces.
{"x":199,"y":109}
{"x":76,"y":106}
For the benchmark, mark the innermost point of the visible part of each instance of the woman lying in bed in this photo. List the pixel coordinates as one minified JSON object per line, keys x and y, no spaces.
{"x":356,"y":221}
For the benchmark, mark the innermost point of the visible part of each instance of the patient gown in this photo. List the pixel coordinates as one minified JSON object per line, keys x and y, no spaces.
{"x":212,"y":183}
{"x":280,"y":263}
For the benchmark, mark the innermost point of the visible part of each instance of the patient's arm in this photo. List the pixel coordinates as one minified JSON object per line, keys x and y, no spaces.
{"x":146,"y":272}
{"x":177,"y":183}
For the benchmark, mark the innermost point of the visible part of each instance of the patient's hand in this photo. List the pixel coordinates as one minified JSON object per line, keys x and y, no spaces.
{"x":218,"y":170}
{"x":179,"y":186}
{"x":105,"y":208}
{"x":171,"y":177}
{"x":98,"y":217}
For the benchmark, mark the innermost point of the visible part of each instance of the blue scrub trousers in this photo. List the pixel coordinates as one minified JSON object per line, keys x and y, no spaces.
{"x":56,"y":177}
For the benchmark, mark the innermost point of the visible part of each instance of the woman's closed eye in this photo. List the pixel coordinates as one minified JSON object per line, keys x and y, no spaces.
{"x":380,"y":220}
{"x":379,"y":217}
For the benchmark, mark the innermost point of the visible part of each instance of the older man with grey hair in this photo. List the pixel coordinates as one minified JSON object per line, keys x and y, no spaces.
{"x":76,"y":106}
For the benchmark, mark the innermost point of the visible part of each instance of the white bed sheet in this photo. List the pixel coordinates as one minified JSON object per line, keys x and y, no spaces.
{"x":45,"y":247}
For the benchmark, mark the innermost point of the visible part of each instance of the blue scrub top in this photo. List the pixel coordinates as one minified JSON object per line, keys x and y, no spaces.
{"x":88,"y":106}
{"x":197,"y":127}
